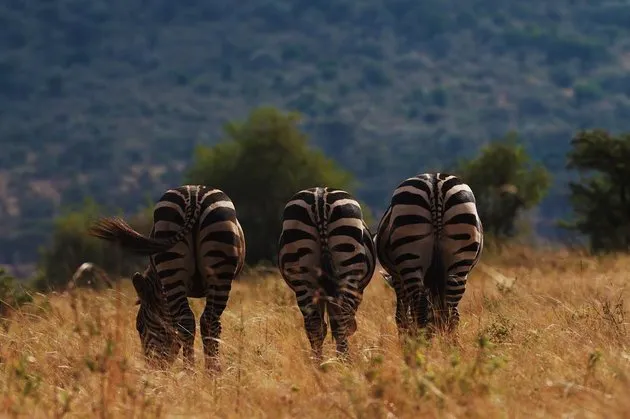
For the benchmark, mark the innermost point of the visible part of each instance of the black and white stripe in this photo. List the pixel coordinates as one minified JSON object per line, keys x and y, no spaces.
{"x":196,"y":249}
{"x":326,"y":255}
{"x":428,"y":241}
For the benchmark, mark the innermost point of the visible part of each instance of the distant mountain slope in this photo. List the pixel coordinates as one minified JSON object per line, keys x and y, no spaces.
{"x":109,"y":98}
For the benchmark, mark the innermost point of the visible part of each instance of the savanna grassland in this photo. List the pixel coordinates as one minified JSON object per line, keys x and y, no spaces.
{"x":543,"y":334}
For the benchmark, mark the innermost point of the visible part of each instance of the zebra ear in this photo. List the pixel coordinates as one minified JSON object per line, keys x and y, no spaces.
{"x":387,"y":277}
{"x":139,"y":283}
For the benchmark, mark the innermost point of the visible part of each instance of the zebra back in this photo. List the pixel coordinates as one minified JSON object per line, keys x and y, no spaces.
{"x":115,"y":229}
{"x":431,"y":231}
{"x":325,"y":224}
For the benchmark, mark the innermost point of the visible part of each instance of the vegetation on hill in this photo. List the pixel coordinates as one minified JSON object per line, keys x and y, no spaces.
{"x":109,"y":99}
{"x":538,"y":348}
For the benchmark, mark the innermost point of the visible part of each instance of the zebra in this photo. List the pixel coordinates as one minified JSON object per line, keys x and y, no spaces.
{"x":196,"y":249}
{"x":428,"y":241}
{"x":89,"y":274}
{"x":326,"y":255}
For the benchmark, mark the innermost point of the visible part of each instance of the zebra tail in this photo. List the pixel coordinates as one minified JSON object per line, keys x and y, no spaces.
{"x":114,"y":229}
{"x":436,"y":279}
{"x":327,"y":278}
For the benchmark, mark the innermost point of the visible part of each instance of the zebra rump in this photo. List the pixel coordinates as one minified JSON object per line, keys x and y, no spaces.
{"x":326,"y":256}
{"x":428,"y":241}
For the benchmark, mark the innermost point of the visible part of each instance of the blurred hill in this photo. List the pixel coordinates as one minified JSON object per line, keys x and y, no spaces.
{"x":109,"y":98}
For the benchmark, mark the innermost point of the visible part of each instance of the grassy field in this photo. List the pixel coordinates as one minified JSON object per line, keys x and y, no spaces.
{"x":551,"y":344}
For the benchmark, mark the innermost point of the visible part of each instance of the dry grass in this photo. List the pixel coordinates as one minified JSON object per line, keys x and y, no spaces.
{"x":554,"y":344}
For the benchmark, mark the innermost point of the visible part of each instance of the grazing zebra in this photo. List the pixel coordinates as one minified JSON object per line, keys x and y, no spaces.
{"x":89,"y":274}
{"x":428,"y":241}
{"x":326,"y":256}
{"x":196,"y":249}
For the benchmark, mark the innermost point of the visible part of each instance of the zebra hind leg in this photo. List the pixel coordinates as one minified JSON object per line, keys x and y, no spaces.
{"x":210,"y":331}
{"x":455,"y":287}
{"x":420,"y":314}
{"x":210,"y":325}
{"x":343,"y":324}
{"x":316,"y":327}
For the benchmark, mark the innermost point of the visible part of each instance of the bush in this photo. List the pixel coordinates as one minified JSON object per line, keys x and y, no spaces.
{"x":12,"y":294}
{"x":505,"y":182}
{"x":71,"y":247}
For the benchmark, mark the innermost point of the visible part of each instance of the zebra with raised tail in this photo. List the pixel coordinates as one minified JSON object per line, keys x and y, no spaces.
{"x":428,"y":241}
{"x":326,"y":256}
{"x":196,"y":249}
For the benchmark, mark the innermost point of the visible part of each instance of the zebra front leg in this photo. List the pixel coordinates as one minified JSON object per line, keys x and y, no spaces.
{"x":182,"y":317}
{"x":316,"y":327}
{"x":186,"y":329}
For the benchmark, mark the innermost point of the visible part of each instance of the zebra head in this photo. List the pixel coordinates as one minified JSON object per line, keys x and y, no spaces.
{"x":157,"y":335}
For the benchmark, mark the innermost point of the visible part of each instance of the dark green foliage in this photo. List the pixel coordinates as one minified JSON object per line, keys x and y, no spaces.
{"x":505,"y":182}
{"x":601,"y":197}
{"x":12,"y":294}
{"x":71,"y":247}
{"x":260,"y":164}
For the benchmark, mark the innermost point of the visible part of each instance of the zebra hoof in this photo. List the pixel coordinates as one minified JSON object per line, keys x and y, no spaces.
{"x":316,"y":358}
{"x":213,"y":366}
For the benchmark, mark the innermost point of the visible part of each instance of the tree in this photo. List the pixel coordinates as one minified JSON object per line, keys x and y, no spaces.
{"x":601,"y":197}
{"x":505,"y":183}
{"x":260,"y":164}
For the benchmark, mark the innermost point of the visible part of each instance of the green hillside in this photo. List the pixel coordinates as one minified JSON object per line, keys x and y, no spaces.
{"x":109,"y":98}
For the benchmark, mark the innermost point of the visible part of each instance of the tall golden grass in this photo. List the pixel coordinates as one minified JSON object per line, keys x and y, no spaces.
{"x":551,"y":342}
